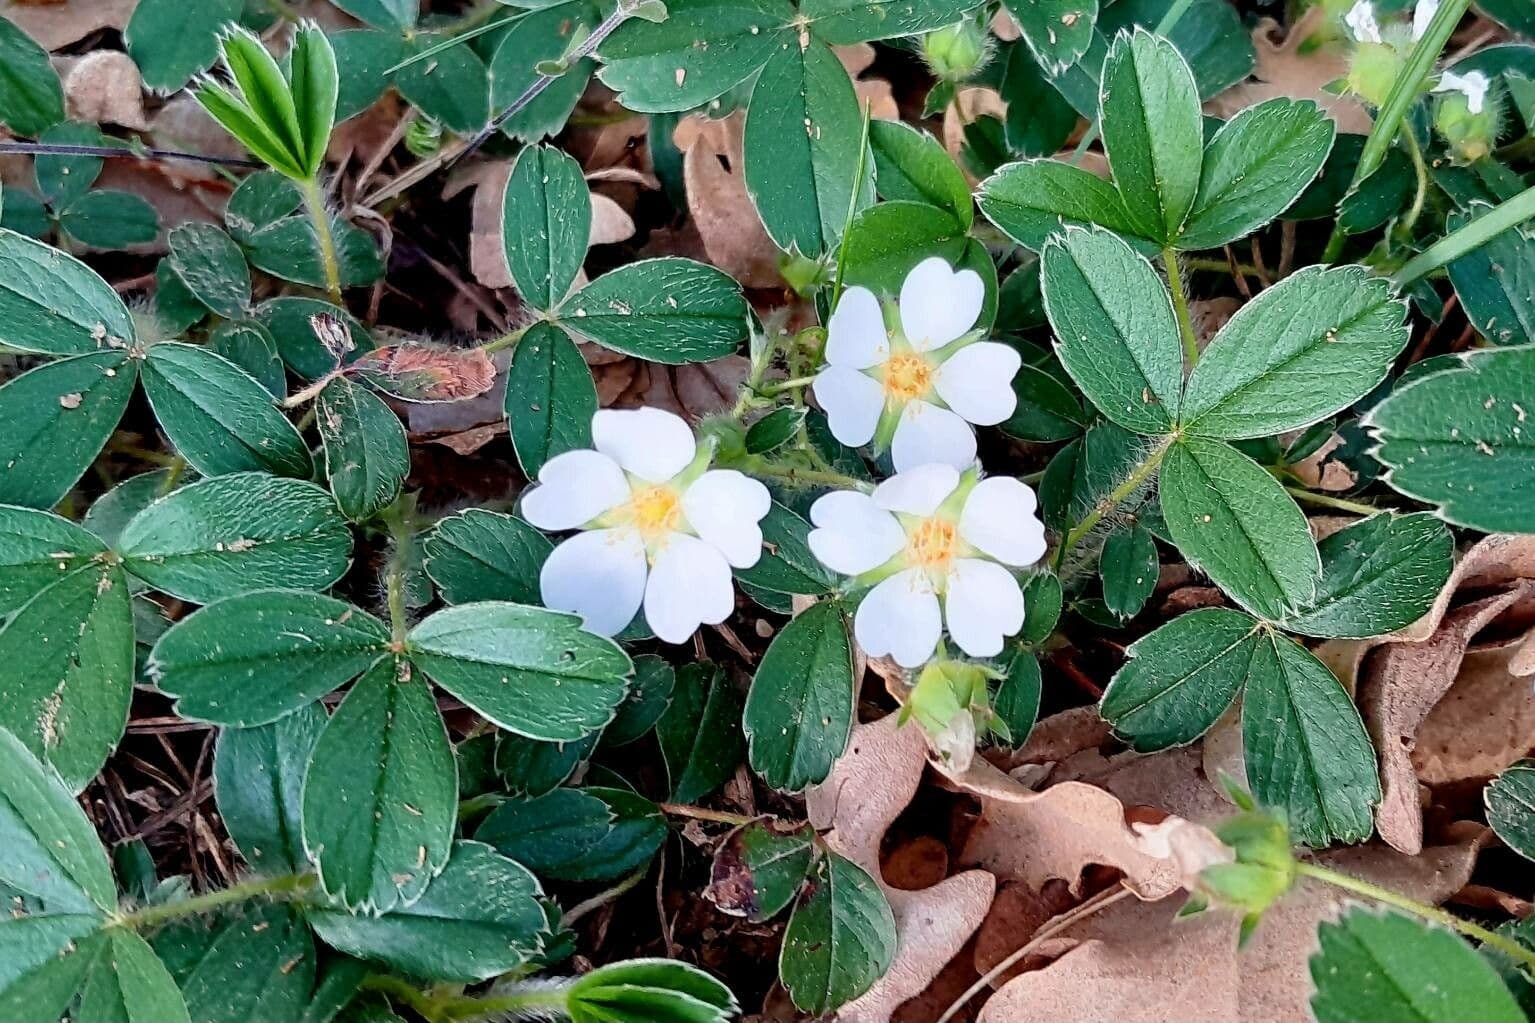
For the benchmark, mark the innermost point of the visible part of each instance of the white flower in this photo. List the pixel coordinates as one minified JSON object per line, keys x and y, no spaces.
{"x":660,"y":528}
{"x":1473,"y":85}
{"x":1421,"y":16}
{"x":927,"y":534}
{"x":915,"y":376}
{"x":1361,"y":21}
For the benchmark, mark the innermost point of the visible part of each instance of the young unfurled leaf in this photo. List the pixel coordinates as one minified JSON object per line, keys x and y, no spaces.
{"x":799,"y":711}
{"x":1129,"y":570}
{"x":478,"y":918}
{"x":1305,"y":747}
{"x":299,"y":645}
{"x":1233,"y":521}
{"x":546,"y":222}
{"x":1180,"y":678}
{"x":53,"y":304}
{"x":485,"y":555}
{"x":1510,"y":803}
{"x":1152,"y":132}
{"x":759,"y":869}
{"x":219,"y":417}
{"x":60,"y":416}
{"x":211,"y":266}
{"x":1382,"y":965}
{"x":700,"y":733}
{"x":31,"y":98}
{"x":426,"y":373}
{"x":1378,"y":576}
{"x":550,"y":398}
{"x":1259,"y":375}
{"x":841,"y":937}
{"x":237,"y":533}
{"x":1114,"y":327}
{"x":531,"y":671}
{"x":258,"y":782}
{"x":668,"y":310}
{"x":649,"y":989}
{"x":366,"y":453}
{"x":381,"y":793}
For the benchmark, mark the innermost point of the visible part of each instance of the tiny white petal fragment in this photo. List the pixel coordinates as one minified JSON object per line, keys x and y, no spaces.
{"x":1361,"y":22}
{"x":1473,"y":85}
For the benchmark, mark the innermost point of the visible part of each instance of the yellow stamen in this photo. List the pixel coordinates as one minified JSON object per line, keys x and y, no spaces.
{"x":908,"y":376}
{"x":655,"y":512}
{"x":931,"y":545}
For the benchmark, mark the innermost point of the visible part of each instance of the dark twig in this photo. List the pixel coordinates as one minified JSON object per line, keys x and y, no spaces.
{"x":117,"y":152}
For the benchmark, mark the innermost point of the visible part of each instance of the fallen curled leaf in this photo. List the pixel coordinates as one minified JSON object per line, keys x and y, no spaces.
{"x":694,"y":390}
{"x":487,"y":259}
{"x":426,"y":373}
{"x":105,"y":87}
{"x":870,"y":785}
{"x":1287,"y":67}
{"x":183,"y":124}
{"x":56,"y":25}
{"x":610,"y":222}
{"x":721,"y":209}
{"x":1484,"y":724}
{"x":1320,"y":471}
{"x":1396,"y":695}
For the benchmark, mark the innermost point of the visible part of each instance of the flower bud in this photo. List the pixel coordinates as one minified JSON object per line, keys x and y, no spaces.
{"x":952,"y":703}
{"x":958,"y":52}
{"x":1467,"y":116}
{"x":1373,"y":71}
{"x":1262,"y":866}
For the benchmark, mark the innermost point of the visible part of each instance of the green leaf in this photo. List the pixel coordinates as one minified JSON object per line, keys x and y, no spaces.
{"x":800,"y":147}
{"x":366,"y":454}
{"x":1312,"y":344}
{"x":485,"y":555}
{"x":1048,"y":410}
{"x":31,"y":98}
{"x":290,"y":249}
{"x":1153,"y":132}
{"x":551,"y":834}
{"x":1378,"y":576}
{"x":1458,"y":439}
{"x":550,"y":398}
{"x":452,"y":87}
{"x":799,"y":711}
{"x":887,"y":240}
{"x":534,"y":37}
{"x":249,"y":967}
{"x":43,"y":961}
{"x":649,"y":989}
{"x":668,"y":310}
{"x":53,"y":304}
{"x":381,"y":793}
{"x":1234,"y":522}
{"x":287,"y":319}
{"x":1042,"y":601}
{"x":112,"y":510}
{"x":219,"y":417}
{"x":260,"y":200}
{"x":1496,"y":282}
{"x":787,"y":564}
{"x":842,"y":22}
{"x":1306,"y":749}
{"x":127,"y":983}
{"x":1180,"y":678}
{"x":1033,"y":199}
{"x":649,"y":696}
{"x":700,"y":733}
{"x":527,"y":767}
{"x":479,"y":918}
{"x":390,"y":14}
{"x":774,"y":430}
{"x":363,"y":59}
{"x":36,"y":549}
{"x":69,"y":674}
{"x":639,"y":828}
{"x":1510,"y":801}
{"x":1114,"y":327}
{"x":24,"y":212}
{"x":759,"y":868}
{"x":528,"y":670}
{"x":107,"y":219}
{"x":1039,"y":120}
{"x":841,"y":937}
{"x":61,"y":178}
{"x":233,"y":534}
{"x":1210,"y":35}
{"x":51,"y":851}
{"x":258,"y":783}
{"x":171,"y":41}
{"x":1129,"y":569}
{"x":546,"y":221}
{"x":1058,"y":32}
{"x":212,"y":267}
{"x":1382,"y":965}
{"x":1255,"y":168}
{"x":910,"y":164}
{"x":61,"y":415}
{"x":1016,"y":701}
{"x":251,"y":659}
{"x":703,"y":49}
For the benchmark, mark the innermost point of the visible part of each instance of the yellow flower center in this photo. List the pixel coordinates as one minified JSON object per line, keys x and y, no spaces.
{"x":907,"y":376}
{"x":655,"y":512}
{"x":931,"y":545}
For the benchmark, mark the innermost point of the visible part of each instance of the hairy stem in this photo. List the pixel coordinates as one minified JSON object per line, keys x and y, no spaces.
{"x":1181,"y":306}
{"x":400,"y":519}
{"x":1115,"y":498}
{"x":314,"y":204}
{"x":755,"y":465}
{"x":507,"y":340}
{"x":1469,"y":238}
{"x":1433,"y":914}
{"x":281,"y":886}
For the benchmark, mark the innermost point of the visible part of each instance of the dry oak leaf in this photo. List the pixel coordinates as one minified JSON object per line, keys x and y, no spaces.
{"x":55,"y":25}
{"x":1287,"y":68}
{"x":103,"y":87}
{"x":975,"y":101}
{"x":1136,"y":963}
{"x":879,"y":773}
{"x":1484,"y":724}
{"x":721,"y":208}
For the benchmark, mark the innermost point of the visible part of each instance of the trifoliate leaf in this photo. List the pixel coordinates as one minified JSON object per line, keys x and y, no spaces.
{"x":530,"y":39}
{"x":363,"y":59}
{"x":251,"y":347}
{"x":399,"y":15}
{"x":44,"y":960}
{"x":1016,"y":701}
{"x":258,"y":783}
{"x":485,"y":555}
{"x":842,"y":22}
{"x":886,"y":240}
{"x":288,"y":318}
{"x":1378,"y":576}
{"x":799,"y":711}
{"x":453,"y":86}
{"x":1048,"y":409}
{"x":53,"y":304}
{"x":774,"y":430}
{"x":366,"y":453}
{"x":1057,"y":32}
{"x":114,"y":509}
{"x":36,"y":549}
{"x":700,"y":733}
{"x":668,"y":310}
{"x":550,"y":398}
{"x":841,"y":937}
{"x":171,"y":42}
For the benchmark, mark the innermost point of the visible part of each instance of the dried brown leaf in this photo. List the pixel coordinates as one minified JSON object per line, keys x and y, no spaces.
{"x":104,"y":87}
{"x":426,"y":373}
{"x":1484,"y":724}
{"x":56,"y":25}
{"x":1286,"y":67}
{"x":712,"y":171}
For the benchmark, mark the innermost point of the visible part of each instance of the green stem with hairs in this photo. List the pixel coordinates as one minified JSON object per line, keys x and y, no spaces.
{"x":314,"y":204}
{"x":1433,"y":914}
{"x":507,"y":340}
{"x":754,"y":465}
{"x":1116,"y":497}
{"x":1469,"y":238}
{"x":1181,"y":306}
{"x":400,"y":518}
{"x":288,"y":886}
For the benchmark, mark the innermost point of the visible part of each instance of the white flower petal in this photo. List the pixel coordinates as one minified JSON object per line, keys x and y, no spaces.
{"x":900,"y":617}
{"x":938,"y":305}
{"x":853,"y":534}
{"x":689,"y":586}
{"x":1421,"y":16}
{"x":573,"y":489}
{"x":1473,"y":85}
{"x":853,"y":402}
{"x":977,"y":382}
{"x":983,"y":605}
{"x":855,"y":334}
{"x":724,"y":508}
{"x":653,"y":444}
{"x":599,"y":575}
{"x":1361,"y":22}
{"x":999,"y":518}
{"x":917,"y":491}
{"x":927,"y":433}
